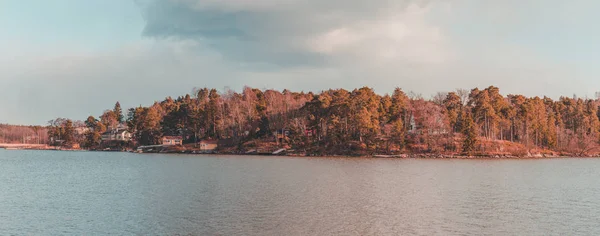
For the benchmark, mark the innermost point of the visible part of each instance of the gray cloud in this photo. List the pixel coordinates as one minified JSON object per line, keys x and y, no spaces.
{"x":278,"y":32}
{"x":302,"y":45}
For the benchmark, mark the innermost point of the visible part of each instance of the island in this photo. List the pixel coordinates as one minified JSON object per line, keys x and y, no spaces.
{"x":336,"y":122}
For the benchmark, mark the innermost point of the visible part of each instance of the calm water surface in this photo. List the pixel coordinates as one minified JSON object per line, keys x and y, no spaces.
{"x":94,"y":193}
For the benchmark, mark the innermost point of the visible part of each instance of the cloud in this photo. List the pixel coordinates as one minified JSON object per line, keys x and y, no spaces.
{"x":299,"y":32}
{"x":424,"y":46}
{"x":381,"y":43}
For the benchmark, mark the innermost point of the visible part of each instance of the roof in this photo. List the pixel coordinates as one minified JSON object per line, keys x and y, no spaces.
{"x":209,"y":141}
{"x":115,"y":131}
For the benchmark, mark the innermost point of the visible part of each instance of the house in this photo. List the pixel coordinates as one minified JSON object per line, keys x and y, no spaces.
{"x":434,"y":125}
{"x":116,"y":135}
{"x":281,"y":134}
{"x":412,"y":125}
{"x":81,"y":130}
{"x":208,"y":145}
{"x":172,"y":140}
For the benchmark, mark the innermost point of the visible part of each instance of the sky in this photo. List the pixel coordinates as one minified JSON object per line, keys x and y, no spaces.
{"x":75,"y":58}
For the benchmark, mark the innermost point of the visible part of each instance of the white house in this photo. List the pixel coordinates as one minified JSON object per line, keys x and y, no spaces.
{"x":172,"y":140}
{"x":116,"y":135}
{"x":208,"y":145}
{"x":81,"y":130}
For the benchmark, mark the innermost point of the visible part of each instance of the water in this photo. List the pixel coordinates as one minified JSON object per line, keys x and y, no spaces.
{"x":95,"y":193}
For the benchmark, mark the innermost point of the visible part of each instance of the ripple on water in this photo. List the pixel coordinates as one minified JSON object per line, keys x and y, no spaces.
{"x":85,"y":193}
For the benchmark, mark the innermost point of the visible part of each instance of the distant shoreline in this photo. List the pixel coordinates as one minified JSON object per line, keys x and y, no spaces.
{"x":398,"y":156}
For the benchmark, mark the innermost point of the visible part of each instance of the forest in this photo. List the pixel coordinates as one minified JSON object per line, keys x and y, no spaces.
{"x":23,"y":134}
{"x":357,"y":122}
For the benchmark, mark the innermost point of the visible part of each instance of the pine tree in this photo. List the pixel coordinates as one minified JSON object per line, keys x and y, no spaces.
{"x":470,"y":132}
{"x":398,"y":132}
{"x":69,"y":132}
{"x":214,"y":112}
{"x":93,"y":135}
{"x":550,"y":132}
{"x":118,"y":112}
{"x":453,"y":107}
{"x":90,"y":122}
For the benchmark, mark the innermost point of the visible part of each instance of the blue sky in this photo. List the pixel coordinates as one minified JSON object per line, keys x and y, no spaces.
{"x":74,"y":58}
{"x":87,"y":25}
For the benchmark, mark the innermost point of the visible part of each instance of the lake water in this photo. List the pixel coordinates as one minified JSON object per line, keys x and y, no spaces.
{"x":96,"y":193}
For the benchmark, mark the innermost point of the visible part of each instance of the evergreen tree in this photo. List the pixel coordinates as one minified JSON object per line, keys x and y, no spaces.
{"x":399,"y":106}
{"x":93,"y":135}
{"x":398,"y":133}
{"x":453,"y":107}
{"x":90,"y":122}
{"x":470,"y":133}
{"x":214,"y":112}
{"x":69,"y":133}
{"x":118,"y":112}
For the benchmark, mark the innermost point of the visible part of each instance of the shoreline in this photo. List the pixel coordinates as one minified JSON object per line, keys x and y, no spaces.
{"x":376,"y":156}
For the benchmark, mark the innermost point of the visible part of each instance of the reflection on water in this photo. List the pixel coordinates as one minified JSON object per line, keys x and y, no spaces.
{"x":94,"y":193}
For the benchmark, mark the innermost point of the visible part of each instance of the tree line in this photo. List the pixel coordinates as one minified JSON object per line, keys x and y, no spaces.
{"x":360,"y":121}
{"x":23,"y":134}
